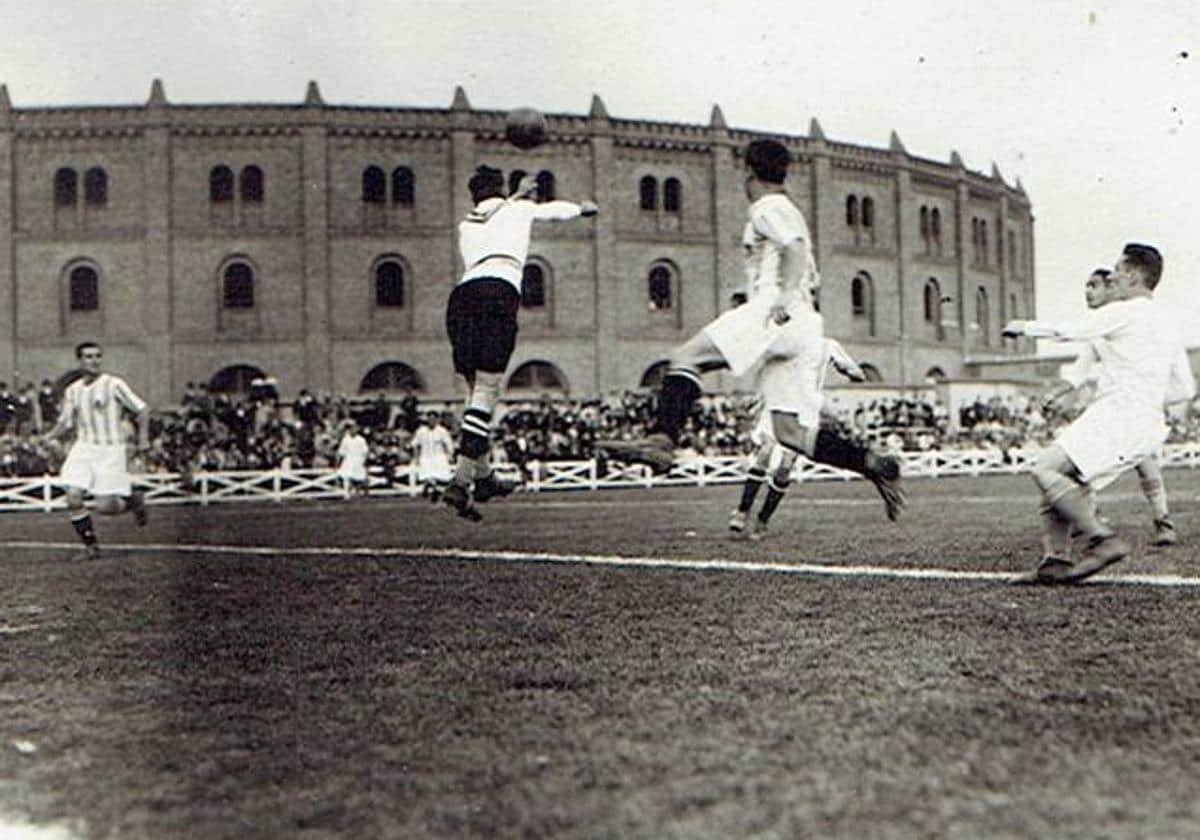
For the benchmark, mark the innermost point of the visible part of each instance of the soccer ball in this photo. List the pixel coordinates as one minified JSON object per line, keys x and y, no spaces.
{"x":525,"y":128}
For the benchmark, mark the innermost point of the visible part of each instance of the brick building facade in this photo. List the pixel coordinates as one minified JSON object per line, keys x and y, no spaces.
{"x":315,"y":243}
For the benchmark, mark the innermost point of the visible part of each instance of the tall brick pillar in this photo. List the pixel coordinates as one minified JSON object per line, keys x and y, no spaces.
{"x":606,"y":293}
{"x":729,"y":212}
{"x":962,"y":235}
{"x":904,"y":263}
{"x":156,"y":281}
{"x":9,"y":360}
{"x":318,"y":347}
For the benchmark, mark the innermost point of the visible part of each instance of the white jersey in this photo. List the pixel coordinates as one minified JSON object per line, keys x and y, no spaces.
{"x":494,"y":238}
{"x":1136,"y":354}
{"x":95,"y":408}
{"x":774,"y":223}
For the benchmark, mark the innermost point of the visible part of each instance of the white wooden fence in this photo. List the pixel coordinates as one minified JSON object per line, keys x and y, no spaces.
{"x":42,"y":493}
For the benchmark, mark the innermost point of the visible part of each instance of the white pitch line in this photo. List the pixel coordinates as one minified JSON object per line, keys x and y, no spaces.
{"x":611,"y":560}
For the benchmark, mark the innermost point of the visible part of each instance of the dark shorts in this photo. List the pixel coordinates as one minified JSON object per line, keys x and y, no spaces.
{"x":481,"y":320}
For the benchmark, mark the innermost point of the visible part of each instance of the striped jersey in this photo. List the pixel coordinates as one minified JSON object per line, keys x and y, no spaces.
{"x":494,"y":237}
{"x":95,"y":408}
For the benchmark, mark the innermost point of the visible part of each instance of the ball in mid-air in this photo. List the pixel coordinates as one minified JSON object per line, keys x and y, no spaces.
{"x":525,"y":128}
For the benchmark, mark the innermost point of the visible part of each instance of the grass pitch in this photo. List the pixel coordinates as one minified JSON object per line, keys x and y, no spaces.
{"x":453,"y":691}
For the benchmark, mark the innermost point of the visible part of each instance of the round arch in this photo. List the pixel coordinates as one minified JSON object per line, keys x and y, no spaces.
{"x":392,"y":376}
{"x":936,"y":374}
{"x":538,"y":375}
{"x":235,"y":379}
{"x":653,"y":376}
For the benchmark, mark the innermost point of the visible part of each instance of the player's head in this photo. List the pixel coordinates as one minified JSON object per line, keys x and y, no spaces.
{"x":768,"y":161}
{"x":487,"y":182}
{"x":1141,"y":264}
{"x":90,"y":357}
{"x":1095,"y":291}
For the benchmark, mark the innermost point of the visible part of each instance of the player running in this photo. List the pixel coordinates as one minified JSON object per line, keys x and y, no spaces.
{"x":481,"y":317}
{"x":776,"y":324}
{"x":1144,"y":366}
{"x":1086,"y":371}
{"x":96,"y":463}
{"x":767,"y":449}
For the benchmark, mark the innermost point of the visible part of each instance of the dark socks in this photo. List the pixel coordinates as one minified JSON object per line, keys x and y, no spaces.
{"x":754,"y":480}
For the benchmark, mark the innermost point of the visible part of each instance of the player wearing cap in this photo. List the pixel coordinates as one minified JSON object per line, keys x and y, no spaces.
{"x":96,"y":463}
{"x":481,"y":317}
{"x":1143,"y":366}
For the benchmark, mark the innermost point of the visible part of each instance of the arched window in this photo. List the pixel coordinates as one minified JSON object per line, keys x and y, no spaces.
{"x":870,"y":372}
{"x":659,"y":288}
{"x":852,"y":210}
{"x":868,"y":212}
{"x":672,"y":195}
{"x":1012,"y":307}
{"x":985,"y":257}
{"x":514,"y":180}
{"x":935,"y":374}
{"x":648,"y":192}
{"x":392,"y":376}
{"x":654,"y":375}
{"x":374,"y":185}
{"x":389,"y":284}
{"x":982,"y":316}
{"x":533,"y":286}
{"x":935,"y":228}
{"x":858,"y":296}
{"x":84,"y":291}
{"x":66,"y":187}
{"x":404,"y":190}
{"x":237,"y":290}
{"x":862,"y":302}
{"x":933,"y":301}
{"x":235,"y":379}
{"x":1012,"y":252}
{"x":252,"y":184}
{"x":220,"y":184}
{"x":545,"y":186}
{"x":537,"y":375}
{"x":925,"y":223}
{"x":95,"y":187}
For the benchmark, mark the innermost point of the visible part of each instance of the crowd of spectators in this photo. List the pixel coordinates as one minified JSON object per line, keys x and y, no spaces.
{"x":257,"y":431}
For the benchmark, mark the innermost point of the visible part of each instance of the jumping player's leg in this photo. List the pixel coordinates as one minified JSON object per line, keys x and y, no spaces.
{"x":829,"y":447}
{"x":81,"y":521}
{"x":781,"y":479}
{"x":681,"y":385}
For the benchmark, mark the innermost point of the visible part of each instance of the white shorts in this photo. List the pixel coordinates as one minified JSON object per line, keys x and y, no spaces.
{"x":742,"y":335}
{"x":763,"y":433}
{"x":100,"y":469}
{"x":434,"y":469}
{"x":1109,"y":438}
{"x":791,"y":375}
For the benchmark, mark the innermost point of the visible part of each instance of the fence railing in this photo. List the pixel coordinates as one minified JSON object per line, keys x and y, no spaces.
{"x":43,"y":493}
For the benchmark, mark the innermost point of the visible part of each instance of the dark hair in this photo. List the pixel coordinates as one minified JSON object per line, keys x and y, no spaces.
{"x":1147,"y":260}
{"x":768,"y":160}
{"x":1103,"y":272}
{"x":487,"y":182}
{"x":83,"y":345}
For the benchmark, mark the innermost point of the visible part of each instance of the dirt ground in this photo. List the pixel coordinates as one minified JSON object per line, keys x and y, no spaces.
{"x":254,"y":693}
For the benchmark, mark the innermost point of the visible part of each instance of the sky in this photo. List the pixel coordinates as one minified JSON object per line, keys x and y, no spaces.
{"x":1095,"y":106}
